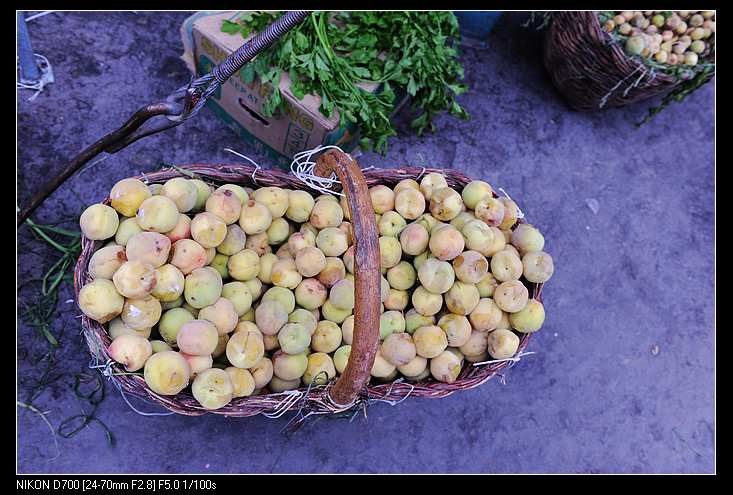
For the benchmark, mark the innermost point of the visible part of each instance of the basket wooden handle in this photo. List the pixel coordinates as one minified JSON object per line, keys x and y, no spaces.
{"x":367,"y":276}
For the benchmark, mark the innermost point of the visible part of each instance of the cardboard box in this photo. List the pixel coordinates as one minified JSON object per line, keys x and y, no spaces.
{"x":300,"y":127}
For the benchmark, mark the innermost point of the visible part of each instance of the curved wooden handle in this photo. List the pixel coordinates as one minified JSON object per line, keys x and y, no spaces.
{"x":367,"y":276}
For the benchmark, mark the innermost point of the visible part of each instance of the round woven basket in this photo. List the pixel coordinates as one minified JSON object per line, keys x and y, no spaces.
{"x":352,"y":390}
{"x":591,"y":70}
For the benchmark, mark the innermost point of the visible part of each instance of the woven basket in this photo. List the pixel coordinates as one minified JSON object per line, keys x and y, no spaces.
{"x":352,"y":390}
{"x":591,"y":70}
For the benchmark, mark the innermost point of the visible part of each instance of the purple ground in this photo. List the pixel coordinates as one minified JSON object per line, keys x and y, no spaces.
{"x":635,"y":275}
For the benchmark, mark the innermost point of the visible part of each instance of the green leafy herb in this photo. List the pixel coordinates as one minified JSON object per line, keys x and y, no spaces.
{"x":344,"y":56}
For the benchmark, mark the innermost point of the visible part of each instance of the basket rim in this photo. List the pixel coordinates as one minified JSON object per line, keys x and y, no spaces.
{"x":314,"y":399}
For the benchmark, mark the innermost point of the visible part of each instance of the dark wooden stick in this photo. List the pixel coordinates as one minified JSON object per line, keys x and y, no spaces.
{"x":138,"y":119}
{"x":367,"y":276}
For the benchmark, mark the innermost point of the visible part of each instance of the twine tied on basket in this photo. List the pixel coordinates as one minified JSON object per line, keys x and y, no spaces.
{"x":303,"y":166}
{"x":256,"y":165}
{"x":512,"y":360}
{"x":108,"y":372}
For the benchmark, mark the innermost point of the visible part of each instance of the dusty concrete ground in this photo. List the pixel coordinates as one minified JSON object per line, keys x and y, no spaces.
{"x":622,"y":380}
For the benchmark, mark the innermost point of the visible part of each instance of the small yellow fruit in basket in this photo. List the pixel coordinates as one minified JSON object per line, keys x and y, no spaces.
{"x":262,"y":372}
{"x":430,"y":341}
{"x":294,"y":338}
{"x":285,"y":274}
{"x":529,"y":319}
{"x":141,"y":313}
{"x":127,"y":195}
{"x":430,"y":183}
{"x":300,"y":205}
{"x":527,"y":238}
{"x":470,"y":267}
{"x":446,"y":242}
{"x":486,"y":315}
{"x":320,"y":369}
{"x":461,"y":298}
{"x":225,"y":204}
{"x":182,"y":192}
{"x":255,"y":217}
{"x":244,"y":266}
{"x":414,"y":239}
{"x":457,"y":329}
{"x":221,"y":314}
{"x":99,"y":222}
{"x":475,"y":345}
{"x":106,"y":261}
{"x":208,"y":229}
{"x":436,"y":276}
{"x":187,"y":255}
{"x":506,"y":265}
{"x":150,"y":247}
{"x":239,"y":295}
{"x":304,"y":317}
{"x":202,"y":287}
{"x":171,"y":322}
{"x":310,"y":293}
{"x":409,"y":203}
{"x":159,"y":346}
{"x":245,"y":349}
{"x":383,"y":198}
{"x":135,"y":279}
{"x":197,"y":337}
{"x":327,"y":337}
{"x":445,"y":204}
{"x":445,"y":367}
{"x":310,"y":261}
{"x":284,"y":296}
{"x":270,"y":316}
{"x":474,"y":192}
{"x":402,"y":276}
{"x":391,"y":322}
{"x":275,"y":199}
{"x":341,"y":295}
{"x":233,"y":242}
{"x":511,"y":296}
{"x":381,"y":367}
{"x":278,"y":231}
{"x":289,"y":366}
{"x":538,"y":266}
{"x":332,"y":241}
{"x":391,"y":224}
{"x":198,"y":364}
{"x":258,"y":243}
{"x":333,"y":313}
{"x":341,"y":358}
{"x":203,"y":191}
{"x":213,"y":388}
{"x":117,"y":327}
{"x":242,"y":381}
{"x":326,"y":214}
{"x":127,"y":228}
{"x":398,"y":349}
{"x":131,"y":351}
{"x":414,"y":368}
{"x":502,"y":344}
{"x":167,"y":372}
{"x":425,"y":302}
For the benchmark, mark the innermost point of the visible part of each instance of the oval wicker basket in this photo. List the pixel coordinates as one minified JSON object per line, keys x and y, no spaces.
{"x":591,"y":70}
{"x":318,"y":399}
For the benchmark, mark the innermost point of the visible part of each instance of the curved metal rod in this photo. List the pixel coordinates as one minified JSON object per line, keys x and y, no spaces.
{"x":193,"y":98}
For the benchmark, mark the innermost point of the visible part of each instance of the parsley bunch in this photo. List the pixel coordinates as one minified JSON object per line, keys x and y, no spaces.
{"x":331,"y":53}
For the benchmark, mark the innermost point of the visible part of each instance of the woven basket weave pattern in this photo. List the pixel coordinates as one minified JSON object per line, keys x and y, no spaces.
{"x":589,"y":68}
